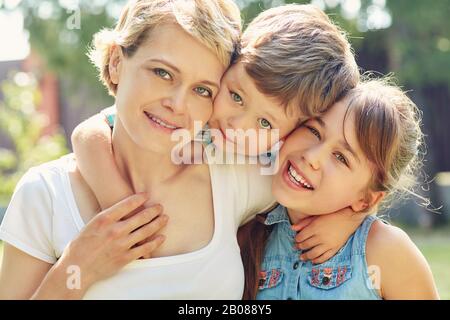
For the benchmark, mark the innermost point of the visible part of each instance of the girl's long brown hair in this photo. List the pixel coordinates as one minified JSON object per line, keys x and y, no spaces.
{"x":252,"y":238}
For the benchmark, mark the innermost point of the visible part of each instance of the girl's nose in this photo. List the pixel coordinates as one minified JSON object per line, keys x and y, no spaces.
{"x":313,"y":156}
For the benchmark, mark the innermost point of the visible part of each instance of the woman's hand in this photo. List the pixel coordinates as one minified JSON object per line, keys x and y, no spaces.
{"x":322,"y":236}
{"x":108,"y":242}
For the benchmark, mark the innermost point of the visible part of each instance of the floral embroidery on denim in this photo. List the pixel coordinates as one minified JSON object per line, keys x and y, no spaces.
{"x":269,"y":279}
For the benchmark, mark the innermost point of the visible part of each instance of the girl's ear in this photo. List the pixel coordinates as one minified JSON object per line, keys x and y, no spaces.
{"x":115,"y":63}
{"x":371,"y":200}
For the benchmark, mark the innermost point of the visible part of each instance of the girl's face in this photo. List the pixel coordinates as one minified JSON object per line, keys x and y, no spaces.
{"x":322,"y":168}
{"x":170,"y":82}
{"x":240,"y":105}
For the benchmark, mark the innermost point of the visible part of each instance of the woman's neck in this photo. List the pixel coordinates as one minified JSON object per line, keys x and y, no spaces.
{"x":143,"y":169}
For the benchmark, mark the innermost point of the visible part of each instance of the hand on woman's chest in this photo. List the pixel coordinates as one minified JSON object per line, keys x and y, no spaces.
{"x":189,"y":205}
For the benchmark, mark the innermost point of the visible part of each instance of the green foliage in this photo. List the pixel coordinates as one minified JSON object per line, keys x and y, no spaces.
{"x":62,"y":33}
{"x":23,"y":125}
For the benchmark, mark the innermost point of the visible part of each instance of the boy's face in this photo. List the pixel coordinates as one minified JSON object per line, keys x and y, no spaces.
{"x":165,"y":87}
{"x":239,"y":105}
{"x":322,"y":167}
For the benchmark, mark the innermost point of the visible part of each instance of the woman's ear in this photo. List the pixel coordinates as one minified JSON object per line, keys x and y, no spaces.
{"x":372,"y":199}
{"x":115,"y":63}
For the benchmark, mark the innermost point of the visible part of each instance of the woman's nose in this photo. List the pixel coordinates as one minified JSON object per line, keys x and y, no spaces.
{"x":177,"y":101}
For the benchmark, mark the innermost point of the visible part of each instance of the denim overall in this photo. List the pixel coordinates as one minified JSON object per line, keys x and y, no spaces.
{"x":284,"y":276}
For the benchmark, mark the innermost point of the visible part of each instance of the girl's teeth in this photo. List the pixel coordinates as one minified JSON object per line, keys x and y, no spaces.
{"x":297,"y":178}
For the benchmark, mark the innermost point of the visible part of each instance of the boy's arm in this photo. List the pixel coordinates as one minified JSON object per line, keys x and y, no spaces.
{"x":324,"y":235}
{"x":91,"y":141}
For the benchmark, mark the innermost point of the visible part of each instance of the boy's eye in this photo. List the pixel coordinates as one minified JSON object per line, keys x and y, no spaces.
{"x":236,"y":98}
{"x":162,"y":73}
{"x":314,"y":132}
{"x":341,"y":158}
{"x":264,"y":123}
{"x":203,"y":92}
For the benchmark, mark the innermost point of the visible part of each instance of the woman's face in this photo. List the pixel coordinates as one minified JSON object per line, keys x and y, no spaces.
{"x":169,"y":83}
{"x":240,"y":105}
{"x":322,"y":167}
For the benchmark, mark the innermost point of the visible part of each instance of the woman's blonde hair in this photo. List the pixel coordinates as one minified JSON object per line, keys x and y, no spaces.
{"x":296,"y":54}
{"x":215,"y":23}
{"x":387,"y":124}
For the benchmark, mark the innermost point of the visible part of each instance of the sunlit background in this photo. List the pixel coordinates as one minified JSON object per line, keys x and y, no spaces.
{"x":48,"y":86}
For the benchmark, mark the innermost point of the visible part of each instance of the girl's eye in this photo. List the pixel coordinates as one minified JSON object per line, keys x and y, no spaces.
{"x":236,"y":98}
{"x":162,"y":73}
{"x":203,"y":92}
{"x":264,"y":123}
{"x":314,"y":132}
{"x":341,"y":158}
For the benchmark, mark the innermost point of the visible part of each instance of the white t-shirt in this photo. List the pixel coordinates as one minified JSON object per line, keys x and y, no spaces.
{"x":42,"y":218}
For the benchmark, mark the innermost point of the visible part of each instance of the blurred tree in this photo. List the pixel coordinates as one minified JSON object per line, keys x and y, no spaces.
{"x":23,"y":125}
{"x":61,"y":31}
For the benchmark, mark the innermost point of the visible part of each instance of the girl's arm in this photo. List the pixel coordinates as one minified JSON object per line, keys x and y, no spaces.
{"x":91,"y":141}
{"x":324,"y":235}
{"x":400,"y":268}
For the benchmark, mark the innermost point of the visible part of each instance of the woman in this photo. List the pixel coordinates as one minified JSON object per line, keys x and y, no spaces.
{"x":196,"y":254}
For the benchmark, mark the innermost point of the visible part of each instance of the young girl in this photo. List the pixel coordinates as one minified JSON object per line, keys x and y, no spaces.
{"x":359,"y":154}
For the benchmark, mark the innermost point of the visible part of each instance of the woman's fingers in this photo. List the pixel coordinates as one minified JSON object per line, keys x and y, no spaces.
{"x":138,"y":220}
{"x":124,"y":207}
{"x":147,"y":230}
{"x":145,"y":249}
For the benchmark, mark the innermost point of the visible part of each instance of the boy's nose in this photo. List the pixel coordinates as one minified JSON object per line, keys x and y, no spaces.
{"x":238,"y":121}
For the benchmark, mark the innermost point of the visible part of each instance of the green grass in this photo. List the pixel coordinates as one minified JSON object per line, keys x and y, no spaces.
{"x":435,"y":246}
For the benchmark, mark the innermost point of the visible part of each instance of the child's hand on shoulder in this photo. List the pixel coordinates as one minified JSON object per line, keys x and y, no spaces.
{"x":321,"y":237}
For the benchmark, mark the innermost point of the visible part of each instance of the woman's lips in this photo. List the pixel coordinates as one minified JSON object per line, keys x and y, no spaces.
{"x":161,"y":124}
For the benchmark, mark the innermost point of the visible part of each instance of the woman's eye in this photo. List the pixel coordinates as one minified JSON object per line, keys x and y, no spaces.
{"x":162,"y":73}
{"x":314,"y":132}
{"x":203,"y":92}
{"x":264,"y":123}
{"x":236,"y":98}
{"x":341,"y":158}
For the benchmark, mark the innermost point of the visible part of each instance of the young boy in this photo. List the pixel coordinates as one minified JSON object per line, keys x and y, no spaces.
{"x":293,"y":65}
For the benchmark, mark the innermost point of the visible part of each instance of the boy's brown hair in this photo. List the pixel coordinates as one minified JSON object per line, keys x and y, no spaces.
{"x":294,"y":53}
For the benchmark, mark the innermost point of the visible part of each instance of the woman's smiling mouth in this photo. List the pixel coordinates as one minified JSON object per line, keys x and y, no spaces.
{"x":160,"y":124}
